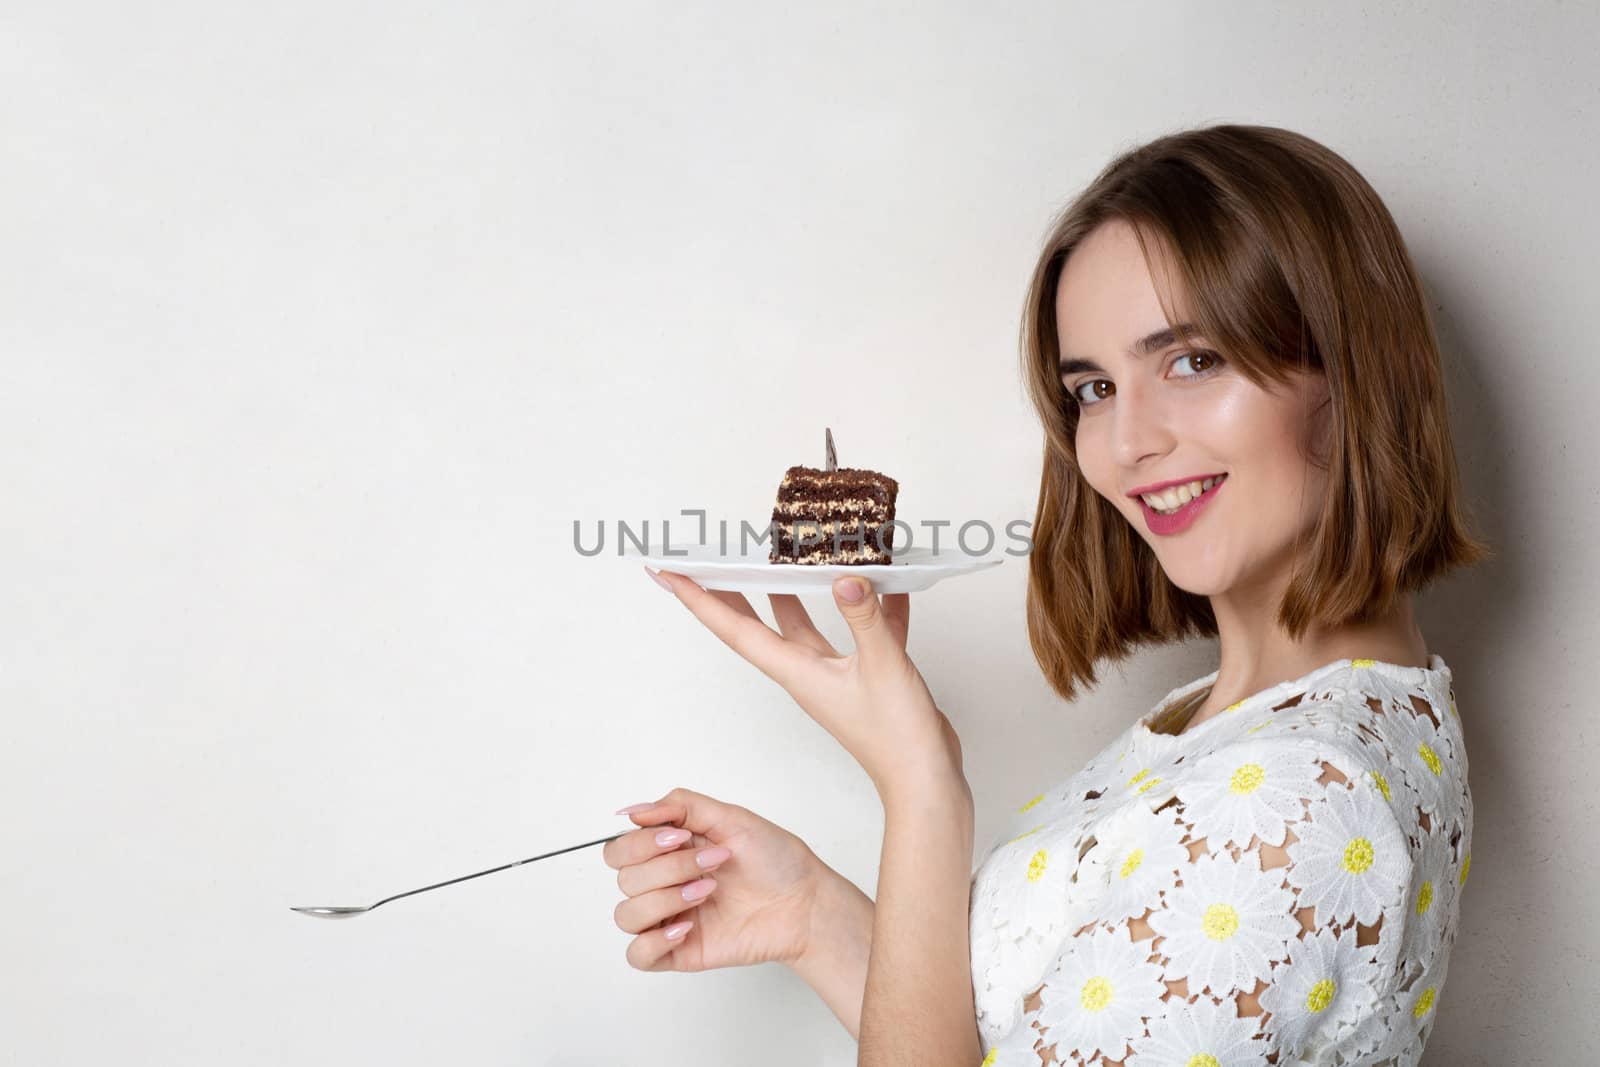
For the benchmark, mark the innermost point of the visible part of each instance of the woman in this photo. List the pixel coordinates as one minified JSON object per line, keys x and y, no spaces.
{"x":1246,"y":436}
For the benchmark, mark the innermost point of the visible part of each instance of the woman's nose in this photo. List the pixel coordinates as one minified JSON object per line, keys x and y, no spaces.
{"x":1139,"y":428}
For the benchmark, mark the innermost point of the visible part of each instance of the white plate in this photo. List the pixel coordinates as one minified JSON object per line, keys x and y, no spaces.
{"x":913,"y":569}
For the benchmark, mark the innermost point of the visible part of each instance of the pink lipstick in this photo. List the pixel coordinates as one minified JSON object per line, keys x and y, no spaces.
{"x":1178,"y":520}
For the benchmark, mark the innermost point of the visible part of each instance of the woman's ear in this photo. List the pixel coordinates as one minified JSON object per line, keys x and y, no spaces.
{"x":1319,"y":420}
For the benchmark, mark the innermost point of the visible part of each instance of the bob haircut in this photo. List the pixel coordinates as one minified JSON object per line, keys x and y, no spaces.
{"x":1290,"y":261}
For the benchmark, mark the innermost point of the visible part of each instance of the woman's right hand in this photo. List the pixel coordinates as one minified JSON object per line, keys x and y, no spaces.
{"x":760,"y":909}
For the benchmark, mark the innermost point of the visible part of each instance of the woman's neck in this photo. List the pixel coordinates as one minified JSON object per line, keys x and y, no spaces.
{"x":1256,"y":654}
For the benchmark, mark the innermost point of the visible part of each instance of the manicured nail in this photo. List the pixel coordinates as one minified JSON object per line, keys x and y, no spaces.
{"x":668,"y":838}
{"x":656,"y":577}
{"x":678,"y":930}
{"x":631,"y":808}
{"x":710,"y":857}
{"x":696,"y":890}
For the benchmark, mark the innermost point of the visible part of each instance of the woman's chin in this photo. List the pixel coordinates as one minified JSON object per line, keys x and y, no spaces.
{"x":1197,"y":583}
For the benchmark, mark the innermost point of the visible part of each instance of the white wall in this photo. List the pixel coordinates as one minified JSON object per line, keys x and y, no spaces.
{"x":321,"y":322}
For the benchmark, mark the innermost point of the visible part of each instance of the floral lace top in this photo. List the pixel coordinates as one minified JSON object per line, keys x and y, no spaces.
{"x":1277,"y":885}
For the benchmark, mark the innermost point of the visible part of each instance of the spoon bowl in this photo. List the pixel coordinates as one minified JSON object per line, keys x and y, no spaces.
{"x":333,"y":913}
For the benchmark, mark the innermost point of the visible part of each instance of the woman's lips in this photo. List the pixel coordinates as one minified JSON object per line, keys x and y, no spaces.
{"x":1178,"y":520}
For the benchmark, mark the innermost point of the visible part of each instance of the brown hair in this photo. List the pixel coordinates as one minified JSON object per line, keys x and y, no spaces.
{"x":1289,"y":260}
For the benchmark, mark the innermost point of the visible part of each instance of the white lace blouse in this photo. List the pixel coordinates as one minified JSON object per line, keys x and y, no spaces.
{"x":1277,"y":885}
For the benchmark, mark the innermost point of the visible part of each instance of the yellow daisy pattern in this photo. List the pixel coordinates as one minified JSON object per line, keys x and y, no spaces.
{"x":1338,"y":799}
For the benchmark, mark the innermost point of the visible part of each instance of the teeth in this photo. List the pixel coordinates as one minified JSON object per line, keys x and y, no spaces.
{"x":1175,"y":497}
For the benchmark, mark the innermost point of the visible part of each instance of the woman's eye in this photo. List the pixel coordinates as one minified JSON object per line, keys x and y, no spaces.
{"x":1092,"y":392}
{"x":1208,"y":360}
{"x":1201,"y":363}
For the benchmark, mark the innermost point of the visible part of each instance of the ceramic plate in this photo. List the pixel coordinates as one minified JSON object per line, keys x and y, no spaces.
{"x":913,"y":569}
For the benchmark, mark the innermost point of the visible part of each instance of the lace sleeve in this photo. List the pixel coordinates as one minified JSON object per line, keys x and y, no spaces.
{"x":1253,"y":913}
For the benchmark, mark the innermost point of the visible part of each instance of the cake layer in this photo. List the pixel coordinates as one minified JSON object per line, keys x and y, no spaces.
{"x":870,"y":510}
{"x":817,"y":555}
{"x":850,"y":557}
{"x":802,"y":483}
{"x":810,"y":538}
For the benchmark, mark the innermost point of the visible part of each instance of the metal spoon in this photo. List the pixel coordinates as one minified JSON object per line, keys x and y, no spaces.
{"x":345,"y":913}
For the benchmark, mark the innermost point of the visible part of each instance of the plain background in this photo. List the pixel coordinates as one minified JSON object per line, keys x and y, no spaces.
{"x":321,"y":323}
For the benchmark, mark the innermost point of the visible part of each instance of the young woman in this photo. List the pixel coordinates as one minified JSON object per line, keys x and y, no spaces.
{"x":1246,"y":437}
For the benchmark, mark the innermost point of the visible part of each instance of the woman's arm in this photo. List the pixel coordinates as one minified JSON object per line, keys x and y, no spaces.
{"x":834,"y":963}
{"x":918,"y":1006}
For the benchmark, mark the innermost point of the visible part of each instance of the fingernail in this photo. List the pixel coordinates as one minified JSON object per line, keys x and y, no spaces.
{"x":678,"y":930}
{"x":668,"y":838}
{"x":851,"y":590}
{"x":696,"y":890}
{"x":656,"y":577}
{"x":631,"y":808}
{"x":710,"y":857}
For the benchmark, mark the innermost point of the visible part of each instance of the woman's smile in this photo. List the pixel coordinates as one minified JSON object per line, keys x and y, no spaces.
{"x":1169,"y":496}
{"x":1187,"y":505}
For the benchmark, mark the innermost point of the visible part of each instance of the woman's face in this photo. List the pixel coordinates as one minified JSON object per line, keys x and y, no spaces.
{"x":1164,"y":413}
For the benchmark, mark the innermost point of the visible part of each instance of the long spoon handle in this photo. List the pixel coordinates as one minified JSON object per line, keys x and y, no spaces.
{"x":503,"y":867}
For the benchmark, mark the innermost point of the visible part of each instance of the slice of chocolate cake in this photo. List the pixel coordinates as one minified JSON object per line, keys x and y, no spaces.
{"x":841,"y":516}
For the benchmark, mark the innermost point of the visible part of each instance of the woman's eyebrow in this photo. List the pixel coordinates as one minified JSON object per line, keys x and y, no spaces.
{"x":1154,"y":342}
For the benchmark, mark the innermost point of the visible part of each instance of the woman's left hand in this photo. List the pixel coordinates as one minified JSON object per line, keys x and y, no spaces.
{"x":873,"y":701}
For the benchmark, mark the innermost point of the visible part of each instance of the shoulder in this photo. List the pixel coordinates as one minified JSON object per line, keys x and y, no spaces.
{"x":1401,"y":731}
{"x":1380,"y":720}
{"x":1299,"y":747}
